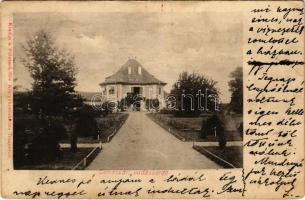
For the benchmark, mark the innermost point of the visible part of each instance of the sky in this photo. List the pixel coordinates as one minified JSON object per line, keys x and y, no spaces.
{"x":166,"y":44}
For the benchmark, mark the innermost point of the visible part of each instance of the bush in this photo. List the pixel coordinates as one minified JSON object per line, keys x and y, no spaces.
{"x":36,"y":140}
{"x":152,"y":104}
{"x":221,"y":136}
{"x":122,"y":105}
{"x":167,"y":111}
{"x":87,"y":110}
{"x":240,"y":129}
{"x":86,"y":126}
{"x":45,"y":146}
{"x":208,"y":126}
{"x":204,"y":129}
{"x":20,"y":141}
{"x":180,"y":113}
{"x":107,"y":108}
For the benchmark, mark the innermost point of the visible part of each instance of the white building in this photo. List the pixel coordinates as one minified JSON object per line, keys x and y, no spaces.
{"x":132,"y":79}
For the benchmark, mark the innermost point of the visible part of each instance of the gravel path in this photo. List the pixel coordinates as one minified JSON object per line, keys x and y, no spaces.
{"x":142,"y":144}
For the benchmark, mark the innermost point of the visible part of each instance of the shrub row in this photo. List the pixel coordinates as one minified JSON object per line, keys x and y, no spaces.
{"x":171,"y":121}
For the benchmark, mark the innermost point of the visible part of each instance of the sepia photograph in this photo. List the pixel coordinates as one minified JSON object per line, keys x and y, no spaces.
{"x":127,"y":91}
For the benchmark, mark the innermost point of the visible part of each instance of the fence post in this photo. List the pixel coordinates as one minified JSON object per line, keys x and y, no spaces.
{"x":100,"y":141}
{"x":85,"y":162}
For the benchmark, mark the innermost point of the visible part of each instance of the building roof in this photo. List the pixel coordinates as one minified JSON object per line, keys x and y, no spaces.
{"x":122,"y":76}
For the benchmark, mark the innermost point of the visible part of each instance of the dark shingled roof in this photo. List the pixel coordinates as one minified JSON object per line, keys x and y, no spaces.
{"x":122,"y":76}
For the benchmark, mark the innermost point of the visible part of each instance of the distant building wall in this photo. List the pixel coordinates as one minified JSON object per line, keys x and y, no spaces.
{"x":118,"y":91}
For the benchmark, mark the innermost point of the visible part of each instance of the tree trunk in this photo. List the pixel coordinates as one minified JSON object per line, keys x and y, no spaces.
{"x":73,"y":139}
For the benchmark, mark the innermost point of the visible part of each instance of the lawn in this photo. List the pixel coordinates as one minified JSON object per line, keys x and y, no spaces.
{"x":110,"y":125}
{"x":188,"y":128}
{"x":66,"y":162}
{"x":107,"y":126}
{"x":230,"y":157}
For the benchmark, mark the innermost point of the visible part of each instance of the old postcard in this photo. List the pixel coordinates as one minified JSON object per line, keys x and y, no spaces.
{"x":145,"y":100}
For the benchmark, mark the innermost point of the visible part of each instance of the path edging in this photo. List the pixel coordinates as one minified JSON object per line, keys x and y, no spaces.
{"x":109,"y":138}
{"x":215,"y":158}
{"x":87,"y":160}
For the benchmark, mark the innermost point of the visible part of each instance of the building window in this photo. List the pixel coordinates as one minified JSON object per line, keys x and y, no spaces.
{"x":139,"y":70}
{"x":129,"y":70}
{"x":111,"y":90}
{"x":160,"y":90}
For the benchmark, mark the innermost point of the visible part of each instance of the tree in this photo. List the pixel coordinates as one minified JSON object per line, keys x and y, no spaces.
{"x":194,"y":93}
{"x":236,"y":88}
{"x":53,"y":71}
{"x":214,"y":124}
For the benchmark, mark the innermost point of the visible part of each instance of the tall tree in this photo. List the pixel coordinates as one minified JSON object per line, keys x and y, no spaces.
{"x":236,"y":88}
{"x":53,"y":71}
{"x":195,"y":93}
{"x":53,"y":98}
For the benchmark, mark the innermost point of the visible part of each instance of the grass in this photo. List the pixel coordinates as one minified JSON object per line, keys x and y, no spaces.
{"x":188,"y":128}
{"x":108,"y":126}
{"x":66,"y":162}
{"x":82,"y":140}
{"x":232,"y":155}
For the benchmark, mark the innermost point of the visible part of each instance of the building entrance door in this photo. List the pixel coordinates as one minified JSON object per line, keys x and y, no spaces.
{"x":136,"y":97}
{"x":136,"y":90}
